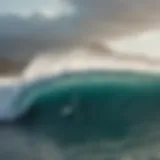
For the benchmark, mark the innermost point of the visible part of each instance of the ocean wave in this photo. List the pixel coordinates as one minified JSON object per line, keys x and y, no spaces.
{"x":93,"y":115}
{"x":82,"y":112}
{"x":23,"y":93}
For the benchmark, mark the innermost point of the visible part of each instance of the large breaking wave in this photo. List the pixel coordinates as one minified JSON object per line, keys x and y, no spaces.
{"x":83,"y":115}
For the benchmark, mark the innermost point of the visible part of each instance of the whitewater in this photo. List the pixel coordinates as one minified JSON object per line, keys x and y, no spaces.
{"x":82,"y":106}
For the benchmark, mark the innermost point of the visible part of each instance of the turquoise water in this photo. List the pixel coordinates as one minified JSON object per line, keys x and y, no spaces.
{"x":104,"y":104}
{"x":102,"y":107}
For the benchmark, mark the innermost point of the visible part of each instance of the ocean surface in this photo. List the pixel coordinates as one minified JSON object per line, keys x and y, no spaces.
{"x":81,"y":115}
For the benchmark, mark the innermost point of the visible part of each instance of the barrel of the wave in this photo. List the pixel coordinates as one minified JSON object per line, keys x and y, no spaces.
{"x":91,"y":106}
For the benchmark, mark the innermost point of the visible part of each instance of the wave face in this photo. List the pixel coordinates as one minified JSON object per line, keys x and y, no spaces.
{"x":92,"y":115}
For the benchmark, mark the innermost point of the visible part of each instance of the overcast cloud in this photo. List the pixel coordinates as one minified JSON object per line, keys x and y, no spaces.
{"x":29,"y":27}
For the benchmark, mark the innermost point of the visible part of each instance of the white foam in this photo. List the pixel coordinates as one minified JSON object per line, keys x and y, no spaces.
{"x":85,"y":60}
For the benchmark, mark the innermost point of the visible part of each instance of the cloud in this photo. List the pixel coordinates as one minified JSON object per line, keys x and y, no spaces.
{"x":29,"y":7}
{"x":91,"y":20}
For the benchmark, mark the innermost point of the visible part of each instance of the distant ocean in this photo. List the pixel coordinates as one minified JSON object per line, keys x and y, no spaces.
{"x":81,"y":115}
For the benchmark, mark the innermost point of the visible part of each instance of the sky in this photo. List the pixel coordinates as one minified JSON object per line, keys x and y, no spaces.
{"x":29,"y":27}
{"x":146,"y":43}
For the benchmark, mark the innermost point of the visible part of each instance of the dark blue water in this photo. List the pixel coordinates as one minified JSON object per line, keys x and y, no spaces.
{"x":87,"y":114}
